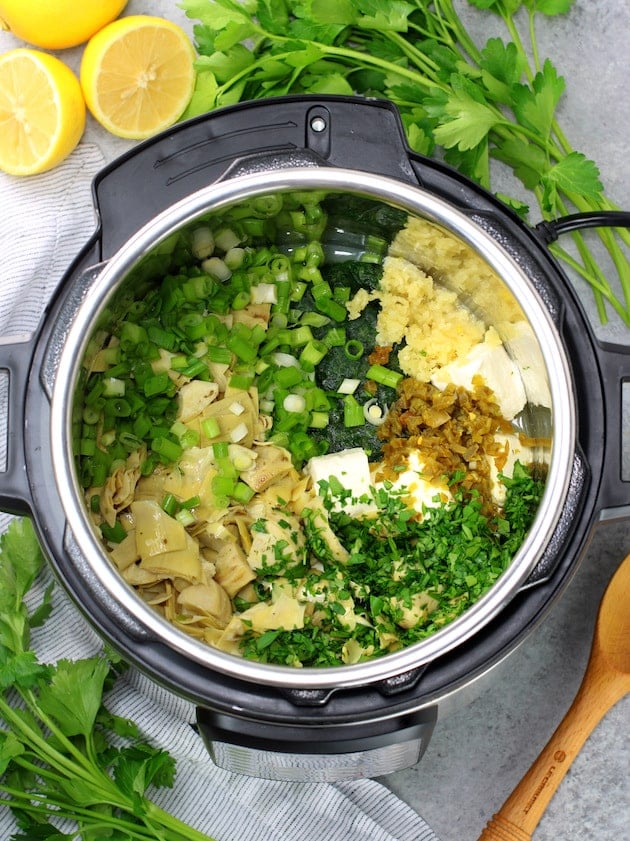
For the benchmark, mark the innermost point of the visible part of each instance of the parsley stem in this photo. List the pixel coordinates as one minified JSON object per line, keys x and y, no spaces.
{"x":154,"y":817}
{"x":46,"y":803}
{"x":422,"y":63}
{"x":39,"y":744}
{"x":445,"y":9}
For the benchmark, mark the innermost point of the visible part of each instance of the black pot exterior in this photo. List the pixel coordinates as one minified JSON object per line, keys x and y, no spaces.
{"x":210,"y":148}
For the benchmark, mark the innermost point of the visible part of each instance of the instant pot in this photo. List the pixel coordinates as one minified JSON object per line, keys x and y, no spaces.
{"x":370,"y":718}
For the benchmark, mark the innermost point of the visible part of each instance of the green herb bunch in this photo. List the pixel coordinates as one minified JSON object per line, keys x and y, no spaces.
{"x":469,"y":104}
{"x":69,"y":769}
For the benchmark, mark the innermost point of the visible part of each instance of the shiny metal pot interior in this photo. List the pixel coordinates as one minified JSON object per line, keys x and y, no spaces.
{"x":88,"y":307}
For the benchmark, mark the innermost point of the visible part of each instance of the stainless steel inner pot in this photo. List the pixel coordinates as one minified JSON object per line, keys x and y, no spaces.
{"x":135,"y":257}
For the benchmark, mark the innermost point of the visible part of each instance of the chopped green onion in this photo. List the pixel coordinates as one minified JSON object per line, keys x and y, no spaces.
{"x":335,"y":337}
{"x":115,"y":533}
{"x":157,"y":384}
{"x":242,"y":381}
{"x":314,"y":319}
{"x":322,"y":290}
{"x":298,"y":290}
{"x":294,"y":403}
{"x":242,"y":348}
{"x":196,"y":288}
{"x":239,"y":433}
{"x":113,"y":387}
{"x":162,"y":338}
{"x":90,"y":416}
{"x":132,"y":334}
{"x":384,"y":376}
{"x":217,"y":269}
{"x":189,"y":439}
{"x":332,"y":308}
{"x":210,"y":427}
{"x":264,"y":293}
{"x":198,"y":368}
{"x":168,"y":450}
{"x":312,"y":354}
{"x":301,"y":336}
{"x":242,"y":493}
{"x":373,"y":413}
{"x":220,"y":450}
{"x":170,"y":505}
{"x":87,"y":446}
{"x":348,"y":386}
{"x":193,"y":325}
{"x":225,"y":466}
{"x":185,"y":517}
{"x":314,"y":254}
{"x":312,"y":275}
{"x":117,"y":408}
{"x":354,"y":349}
{"x":234,"y":258}
{"x":319,"y":420}
{"x":226,"y":239}
{"x":179,"y":362}
{"x":288,"y":376}
{"x":202,"y":244}
{"x":222,"y":355}
{"x":352,"y":412}
{"x":241,"y":300}
{"x":223,"y":486}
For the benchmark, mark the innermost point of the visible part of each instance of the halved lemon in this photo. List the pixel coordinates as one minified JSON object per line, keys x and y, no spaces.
{"x":42,"y":111}
{"x":138,"y":76}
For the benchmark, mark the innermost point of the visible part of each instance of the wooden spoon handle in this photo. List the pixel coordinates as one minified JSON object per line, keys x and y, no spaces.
{"x":520,"y":814}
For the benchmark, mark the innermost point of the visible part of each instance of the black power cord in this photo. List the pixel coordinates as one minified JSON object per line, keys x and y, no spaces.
{"x":551,"y":229}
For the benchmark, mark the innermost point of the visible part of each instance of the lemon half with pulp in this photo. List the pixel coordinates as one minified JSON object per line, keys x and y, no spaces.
{"x":42,"y":111}
{"x":138,"y":75}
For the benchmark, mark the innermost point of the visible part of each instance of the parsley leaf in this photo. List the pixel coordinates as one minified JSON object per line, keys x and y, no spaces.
{"x":528,"y":162}
{"x":535,"y":107}
{"x":575,"y":174}
{"x":467,"y":116}
{"x":502,"y":66}
{"x":72,"y":696}
{"x":549,"y":7}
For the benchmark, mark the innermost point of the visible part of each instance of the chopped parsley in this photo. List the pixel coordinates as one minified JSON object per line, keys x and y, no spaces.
{"x":397,"y":565}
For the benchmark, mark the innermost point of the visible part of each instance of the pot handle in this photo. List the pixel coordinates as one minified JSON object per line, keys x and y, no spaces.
{"x":614,"y":362}
{"x":614,"y":494}
{"x":16,"y":353}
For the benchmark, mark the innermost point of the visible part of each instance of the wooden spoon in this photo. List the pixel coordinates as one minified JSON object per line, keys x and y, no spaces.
{"x":606,"y":681}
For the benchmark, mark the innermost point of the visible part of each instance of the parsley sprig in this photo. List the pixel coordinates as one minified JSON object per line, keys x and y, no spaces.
{"x":468,"y":103}
{"x":69,"y":769}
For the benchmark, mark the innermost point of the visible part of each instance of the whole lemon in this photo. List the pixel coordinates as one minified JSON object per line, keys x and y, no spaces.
{"x":57,"y":24}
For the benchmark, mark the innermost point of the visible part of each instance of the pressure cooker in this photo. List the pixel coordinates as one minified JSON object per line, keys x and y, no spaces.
{"x":369,"y":718}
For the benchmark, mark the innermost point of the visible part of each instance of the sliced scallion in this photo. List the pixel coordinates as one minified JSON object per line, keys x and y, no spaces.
{"x":352,"y":412}
{"x":384,"y":376}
